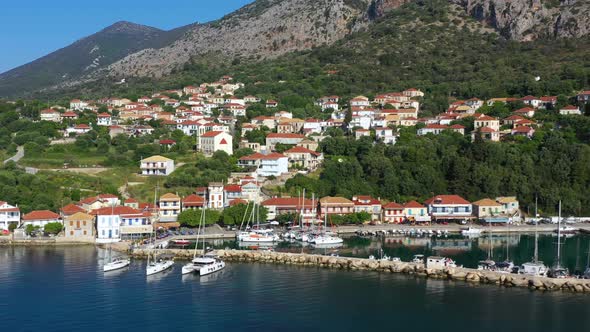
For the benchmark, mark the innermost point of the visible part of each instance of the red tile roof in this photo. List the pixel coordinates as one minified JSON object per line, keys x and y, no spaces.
{"x":288,"y":202}
{"x":413,"y":204}
{"x":393,"y":206}
{"x":41,"y":215}
{"x":212,"y":133}
{"x":71,"y":209}
{"x":238,"y":201}
{"x":447,"y":199}
{"x":284,"y":135}
{"x":300,"y":149}
{"x":114,"y":210}
{"x":232,"y":188}
{"x":193,"y":199}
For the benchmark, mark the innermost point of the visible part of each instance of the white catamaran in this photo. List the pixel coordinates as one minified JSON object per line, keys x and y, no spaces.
{"x":155,"y":264}
{"x":202,"y":264}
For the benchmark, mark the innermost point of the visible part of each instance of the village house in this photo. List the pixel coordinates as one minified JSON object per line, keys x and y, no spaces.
{"x":436,"y":129}
{"x":490,"y":211}
{"x":486,"y":133}
{"x":525,"y":111}
{"x":103,"y":119}
{"x":41,"y":218}
{"x":290,"y":205}
{"x":367,"y":204}
{"x":386,"y":135}
{"x":69,"y":116}
{"x":523,"y":131}
{"x":393,"y":213}
{"x":511,"y":120}
{"x":359,"y":101}
{"x":531,"y":101}
{"x":251,"y":99}
{"x":570,"y":110}
{"x":231,"y":192}
{"x":9,"y":214}
{"x":271,"y":103}
{"x":362,"y":133}
{"x":132,"y":203}
{"x":50,"y":115}
{"x":416,"y":212}
{"x":273,"y":139}
{"x":329,"y":106}
{"x":301,"y":157}
{"x":78,"y":105}
{"x":79,"y":225}
{"x":486,"y":121}
{"x":309,"y":144}
{"x":412,"y":93}
{"x":583,"y":97}
{"x":169,"y":207}
{"x":215,"y":195}
{"x":335,"y":206}
{"x":192,"y":202}
{"x":272,"y":164}
{"x":311,"y":126}
{"x":548,"y":102}
{"x":79,"y":129}
{"x":157,"y":165}
{"x":70,"y":209}
{"x":213,"y":141}
{"x":448,"y":207}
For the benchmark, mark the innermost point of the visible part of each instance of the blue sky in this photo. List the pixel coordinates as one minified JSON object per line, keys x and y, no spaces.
{"x":30,"y":29}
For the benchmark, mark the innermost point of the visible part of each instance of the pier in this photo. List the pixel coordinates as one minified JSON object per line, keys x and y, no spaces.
{"x":413,"y":269}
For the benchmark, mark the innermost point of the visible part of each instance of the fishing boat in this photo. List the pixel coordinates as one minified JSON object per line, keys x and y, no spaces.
{"x":558,"y":271}
{"x":115,"y":264}
{"x":202,"y":264}
{"x":156,"y":265}
{"x":534,"y":267}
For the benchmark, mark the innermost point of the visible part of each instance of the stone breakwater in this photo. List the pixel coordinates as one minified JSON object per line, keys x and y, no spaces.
{"x":415,"y":269}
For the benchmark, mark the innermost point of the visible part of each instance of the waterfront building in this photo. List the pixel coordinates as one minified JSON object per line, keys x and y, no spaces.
{"x":192,"y":202}
{"x":416,"y":212}
{"x":169,"y":207}
{"x":41,"y":218}
{"x":367,"y":204}
{"x":393,"y":212}
{"x":448,"y":207}
{"x":121,"y":222}
{"x":294,"y":205}
{"x":157,"y":165}
{"x":215,"y":195}
{"x":9,"y":214}
{"x":79,"y":225}
{"x":71,"y":209}
{"x":335,"y":205}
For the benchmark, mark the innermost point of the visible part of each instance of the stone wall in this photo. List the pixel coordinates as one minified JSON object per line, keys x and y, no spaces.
{"x":416,"y":269}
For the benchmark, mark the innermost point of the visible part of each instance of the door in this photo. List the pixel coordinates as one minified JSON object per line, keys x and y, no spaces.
{"x":110,"y":233}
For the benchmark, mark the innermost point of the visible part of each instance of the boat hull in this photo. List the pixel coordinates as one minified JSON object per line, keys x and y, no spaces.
{"x":116,"y":265}
{"x":159,"y":267}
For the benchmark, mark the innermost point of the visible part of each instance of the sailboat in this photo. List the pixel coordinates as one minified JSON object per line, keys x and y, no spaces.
{"x":202,"y":264}
{"x":586,"y":274}
{"x":325,"y":238}
{"x":115,"y":264}
{"x":558,"y":271}
{"x":489,"y":263}
{"x":507,"y":265}
{"x":154,"y":264}
{"x":256,"y":235}
{"x":535,"y":267}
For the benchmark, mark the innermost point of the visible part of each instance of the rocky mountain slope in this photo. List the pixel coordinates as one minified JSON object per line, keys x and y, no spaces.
{"x":526,"y":20}
{"x":267,"y":29}
{"x":85,"y":56}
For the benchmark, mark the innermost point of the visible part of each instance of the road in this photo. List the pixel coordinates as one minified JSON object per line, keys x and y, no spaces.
{"x":20,"y":153}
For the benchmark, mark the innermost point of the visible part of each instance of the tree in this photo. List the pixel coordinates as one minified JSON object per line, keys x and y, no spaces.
{"x":234,"y":215}
{"x":30,"y":229}
{"x":192,"y":218}
{"x":12,"y":227}
{"x":53,"y":228}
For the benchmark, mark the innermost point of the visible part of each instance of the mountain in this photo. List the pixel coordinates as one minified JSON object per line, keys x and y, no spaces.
{"x":85,"y":56}
{"x":267,"y":29}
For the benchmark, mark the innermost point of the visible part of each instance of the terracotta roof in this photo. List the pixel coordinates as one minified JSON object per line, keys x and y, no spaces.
{"x":486,"y":130}
{"x":167,"y":141}
{"x":114,"y":210}
{"x":41,"y":215}
{"x":522,"y":129}
{"x":156,"y":159}
{"x":238,"y":201}
{"x":284,"y":135}
{"x":447,"y":199}
{"x":193,"y":199}
{"x":335,"y":200}
{"x":413,"y":204}
{"x":80,"y":216}
{"x":486,"y":202}
{"x":232,"y":188}
{"x":457,"y":126}
{"x":169,"y":196}
{"x":288,"y":201}
{"x":212,"y":133}
{"x":570,"y":107}
{"x":300,"y":149}
{"x":393,"y":206}
{"x":131,"y":200}
{"x":514,"y":118}
{"x":71,"y":209}
{"x":486,"y":118}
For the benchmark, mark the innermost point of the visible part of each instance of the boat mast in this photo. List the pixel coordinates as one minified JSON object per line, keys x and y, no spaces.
{"x":559,"y":236}
{"x":536,"y":254}
{"x":303,"y":207}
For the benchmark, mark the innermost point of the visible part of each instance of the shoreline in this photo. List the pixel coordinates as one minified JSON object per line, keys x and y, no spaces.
{"x":411,"y":269}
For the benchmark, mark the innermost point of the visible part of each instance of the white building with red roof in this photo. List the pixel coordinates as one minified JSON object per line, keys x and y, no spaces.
{"x":78,"y":129}
{"x":192,"y":202}
{"x":531,"y":101}
{"x":583,"y":97}
{"x":41,"y":218}
{"x":359,"y":101}
{"x":393,"y":213}
{"x":272,"y":164}
{"x":116,"y":222}
{"x":302,"y":157}
{"x":50,"y":115}
{"x":104,"y":119}
{"x":570,"y":110}
{"x":368,"y":204}
{"x":413,"y":92}
{"x":9,"y":214}
{"x":77,"y":104}
{"x":273,"y":139}
{"x":294,"y":205}
{"x":449,"y":207}
{"x":416,"y":212}
{"x":213,"y":141}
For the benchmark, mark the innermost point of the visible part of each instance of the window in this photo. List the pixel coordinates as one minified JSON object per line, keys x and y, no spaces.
{"x":84,"y":232}
{"x":72,"y":233}
{"x":84,"y":222}
{"x":71,"y":223}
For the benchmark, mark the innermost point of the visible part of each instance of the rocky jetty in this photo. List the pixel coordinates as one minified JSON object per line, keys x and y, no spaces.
{"x":416,"y":269}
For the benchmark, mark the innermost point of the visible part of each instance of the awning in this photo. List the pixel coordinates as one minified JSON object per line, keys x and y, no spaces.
{"x":496,"y":220}
{"x":166,"y":225}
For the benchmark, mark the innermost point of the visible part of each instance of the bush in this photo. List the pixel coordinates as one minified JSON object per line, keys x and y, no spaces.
{"x":53,"y":228}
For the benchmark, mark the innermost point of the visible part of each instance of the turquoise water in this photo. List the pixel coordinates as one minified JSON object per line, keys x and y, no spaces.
{"x":466,"y":251}
{"x":64,"y":289}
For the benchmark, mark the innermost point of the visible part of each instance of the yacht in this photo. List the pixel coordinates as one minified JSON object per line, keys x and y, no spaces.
{"x":558,"y":271}
{"x":566,"y":230}
{"x":254,"y":236}
{"x":117,"y":263}
{"x":487,"y":265}
{"x":326,"y":237}
{"x":471,"y":231}
{"x":156,"y":265}
{"x":203,"y":264}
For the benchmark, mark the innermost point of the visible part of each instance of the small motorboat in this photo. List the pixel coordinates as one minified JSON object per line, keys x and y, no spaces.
{"x":418,"y":259}
{"x":471,"y":231}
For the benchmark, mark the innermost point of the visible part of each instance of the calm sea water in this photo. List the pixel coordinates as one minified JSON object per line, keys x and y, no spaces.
{"x":64,"y":289}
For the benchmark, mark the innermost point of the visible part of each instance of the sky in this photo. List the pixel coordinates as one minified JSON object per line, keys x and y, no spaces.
{"x":30,"y":29}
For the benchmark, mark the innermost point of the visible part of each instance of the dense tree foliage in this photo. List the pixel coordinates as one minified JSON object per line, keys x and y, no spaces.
{"x":192,"y":218}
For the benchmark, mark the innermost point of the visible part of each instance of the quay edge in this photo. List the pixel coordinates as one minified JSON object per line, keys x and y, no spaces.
{"x":416,"y":269}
